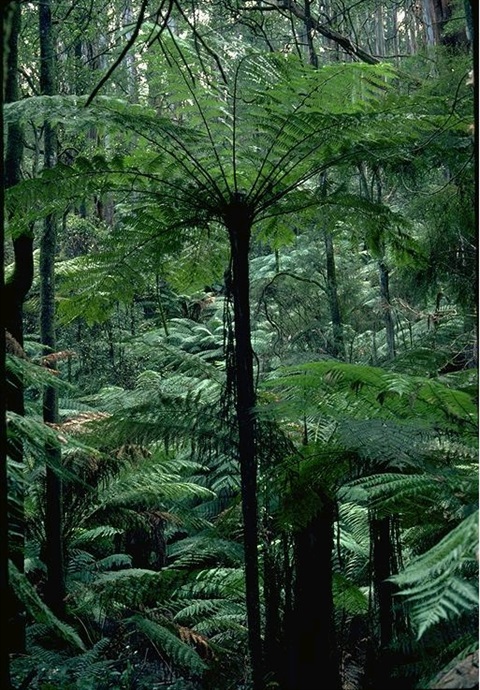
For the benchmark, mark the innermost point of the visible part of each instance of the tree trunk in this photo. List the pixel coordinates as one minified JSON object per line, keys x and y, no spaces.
{"x":14,"y":293}
{"x":338,"y":345}
{"x":313,"y":649}
{"x":55,"y":587}
{"x":387,"y":662}
{"x":274,"y":648}
{"x":386,"y":308}
{"x":238,"y":222}
{"x":9,"y":12}
{"x":373,"y":192}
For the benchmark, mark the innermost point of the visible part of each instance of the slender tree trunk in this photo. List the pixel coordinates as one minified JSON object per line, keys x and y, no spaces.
{"x":238,"y":222}
{"x":338,"y":349}
{"x":55,"y":588}
{"x":14,"y":293}
{"x":386,"y":307}
{"x":8,"y":18}
{"x":373,"y":192}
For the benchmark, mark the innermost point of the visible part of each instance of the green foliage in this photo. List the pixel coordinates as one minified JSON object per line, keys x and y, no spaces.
{"x":175,"y":650}
{"x":434,"y":584}
{"x":40,"y":612}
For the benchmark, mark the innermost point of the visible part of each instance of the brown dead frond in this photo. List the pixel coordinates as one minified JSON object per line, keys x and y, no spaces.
{"x":132,"y":451}
{"x":196,"y":640}
{"x":13,"y":347}
{"x":54,"y":357}
{"x":78,"y":424}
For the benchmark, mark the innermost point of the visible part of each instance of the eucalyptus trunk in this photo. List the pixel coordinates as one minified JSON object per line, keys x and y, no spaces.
{"x":15,"y":291}
{"x":55,"y":586}
{"x":238,"y":221}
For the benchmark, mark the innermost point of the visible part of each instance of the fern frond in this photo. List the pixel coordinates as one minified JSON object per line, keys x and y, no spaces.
{"x":39,"y":611}
{"x":173,"y":647}
{"x":432,"y":582}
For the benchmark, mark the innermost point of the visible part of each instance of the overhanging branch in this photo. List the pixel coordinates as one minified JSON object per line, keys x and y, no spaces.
{"x":343,"y":41}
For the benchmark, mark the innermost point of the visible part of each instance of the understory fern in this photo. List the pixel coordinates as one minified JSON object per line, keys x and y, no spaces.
{"x":441,"y":583}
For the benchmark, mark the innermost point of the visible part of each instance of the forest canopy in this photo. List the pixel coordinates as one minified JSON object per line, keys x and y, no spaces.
{"x":240,"y":351}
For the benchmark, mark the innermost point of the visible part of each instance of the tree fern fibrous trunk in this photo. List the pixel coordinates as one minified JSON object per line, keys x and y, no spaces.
{"x":8,"y":19}
{"x":55,"y":588}
{"x":238,"y":221}
{"x":14,"y":292}
{"x":387,"y":661}
{"x":313,"y":651}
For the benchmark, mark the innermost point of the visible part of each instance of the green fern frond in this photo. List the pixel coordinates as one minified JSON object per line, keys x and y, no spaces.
{"x":179,"y":653}
{"x":39,"y":611}
{"x":193,"y":552}
{"x":348,"y":597}
{"x":432,"y":582}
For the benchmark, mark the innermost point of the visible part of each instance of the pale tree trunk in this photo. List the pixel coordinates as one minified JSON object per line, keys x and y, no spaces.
{"x":130,"y":63}
{"x":373,"y":192}
{"x":380,"y":31}
{"x":55,"y":587}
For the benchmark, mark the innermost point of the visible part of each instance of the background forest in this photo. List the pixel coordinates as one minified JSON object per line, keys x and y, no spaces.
{"x":240,"y":444}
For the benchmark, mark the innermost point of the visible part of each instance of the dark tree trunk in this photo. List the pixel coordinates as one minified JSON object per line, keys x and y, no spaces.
{"x":313,"y":646}
{"x":274,"y":648}
{"x":387,"y":661}
{"x":55,"y":587}
{"x":238,"y":222}
{"x":14,"y":293}
{"x":9,"y":12}
{"x":386,"y":308}
{"x":338,"y":345}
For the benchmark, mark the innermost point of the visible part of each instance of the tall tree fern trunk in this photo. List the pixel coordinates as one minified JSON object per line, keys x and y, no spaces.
{"x":55,"y":588}
{"x":313,"y":645}
{"x":8,"y":18}
{"x":15,"y":291}
{"x":274,"y":646}
{"x":238,"y":221}
{"x":387,"y":661}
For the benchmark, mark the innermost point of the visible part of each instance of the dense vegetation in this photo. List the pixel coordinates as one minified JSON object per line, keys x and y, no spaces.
{"x":240,"y":357}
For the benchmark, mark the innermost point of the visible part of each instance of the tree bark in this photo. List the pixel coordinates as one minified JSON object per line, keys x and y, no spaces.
{"x":387,"y":662}
{"x":338,"y":345}
{"x":313,"y":648}
{"x":238,"y":221}
{"x":55,"y":587}
{"x":386,"y":307}
{"x":9,"y":12}
{"x":14,"y":293}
